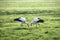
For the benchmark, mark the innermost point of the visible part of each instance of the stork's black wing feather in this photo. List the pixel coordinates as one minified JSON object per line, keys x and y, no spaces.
{"x":41,"y":21}
{"x":17,"y":19}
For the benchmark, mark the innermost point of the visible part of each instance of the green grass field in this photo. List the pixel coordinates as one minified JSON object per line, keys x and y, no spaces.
{"x":11,"y":30}
{"x":48,"y":10}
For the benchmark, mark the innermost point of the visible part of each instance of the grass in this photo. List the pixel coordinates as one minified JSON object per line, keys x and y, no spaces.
{"x":11,"y":30}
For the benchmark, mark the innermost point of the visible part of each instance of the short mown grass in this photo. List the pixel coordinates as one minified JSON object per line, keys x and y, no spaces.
{"x":11,"y":30}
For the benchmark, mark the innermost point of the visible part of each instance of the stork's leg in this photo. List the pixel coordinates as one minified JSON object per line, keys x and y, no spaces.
{"x":21,"y":24}
{"x":39,"y":24}
{"x":28,"y":25}
{"x":31,"y":24}
{"x":36,"y":25}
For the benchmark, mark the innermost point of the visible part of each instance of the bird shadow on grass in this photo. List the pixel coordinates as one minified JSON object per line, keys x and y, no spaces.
{"x":23,"y":28}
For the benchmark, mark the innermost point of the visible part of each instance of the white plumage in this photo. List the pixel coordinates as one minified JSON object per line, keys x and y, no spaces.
{"x":22,"y":20}
{"x":34,"y":21}
{"x":37,"y":20}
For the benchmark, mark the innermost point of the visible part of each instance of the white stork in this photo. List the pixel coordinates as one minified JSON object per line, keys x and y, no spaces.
{"x":22,"y":20}
{"x":37,"y":20}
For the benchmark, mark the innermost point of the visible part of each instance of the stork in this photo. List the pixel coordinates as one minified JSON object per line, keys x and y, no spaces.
{"x":22,"y":20}
{"x":37,"y":20}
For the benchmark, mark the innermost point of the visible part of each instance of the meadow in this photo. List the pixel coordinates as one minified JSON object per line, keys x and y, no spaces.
{"x":11,"y":30}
